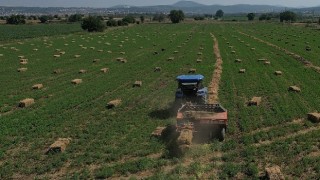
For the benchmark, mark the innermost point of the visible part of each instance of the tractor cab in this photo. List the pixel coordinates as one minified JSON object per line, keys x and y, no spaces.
{"x":190,"y":88}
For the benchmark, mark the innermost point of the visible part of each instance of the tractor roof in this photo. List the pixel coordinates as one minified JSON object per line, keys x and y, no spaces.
{"x":190,"y":78}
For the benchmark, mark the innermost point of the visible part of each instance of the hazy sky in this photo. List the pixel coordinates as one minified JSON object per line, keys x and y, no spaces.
{"x":108,"y":3}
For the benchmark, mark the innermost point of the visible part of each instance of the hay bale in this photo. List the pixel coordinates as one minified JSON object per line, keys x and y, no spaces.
{"x":22,"y":69}
{"x":170,"y":58}
{"x":137,"y":84}
{"x":157,"y":69}
{"x":104,"y":70}
{"x":242,"y":70}
{"x":100,"y":50}
{"x":110,"y":52}
{"x":262,"y":59}
{"x":37,"y":86}
{"x":114,"y":103}
{"x":58,"y":50}
{"x":238,"y":60}
{"x":77,"y":56}
{"x":199,"y":60}
{"x":76,"y":81}
{"x":253,"y":49}
{"x":255,"y":101}
{"x":294,"y":88}
{"x":35,"y":49}
{"x":278,"y":73}
{"x":57,"y":71}
{"x":192,"y":70}
{"x":123,"y":61}
{"x":123,"y":53}
{"x":1,"y":55}
{"x":62,"y":52}
{"x":26,"y":102}
{"x":308,"y":48}
{"x":92,"y":48}
{"x":314,"y":117}
{"x":81,"y":71}
{"x":274,"y":173}
{"x":21,"y":57}
{"x":66,"y":44}
{"x":119,"y":58}
{"x":23,"y":61}
{"x":158,"y":131}
{"x":185,"y":137}
{"x":199,"y":53}
{"x":56,"y":55}
{"x":175,"y":52}
{"x":95,"y":60}
{"x":59,"y":145}
{"x":233,"y":52}
{"x":267,"y":63}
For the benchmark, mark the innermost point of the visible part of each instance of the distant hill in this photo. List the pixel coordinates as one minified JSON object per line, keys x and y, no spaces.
{"x":187,"y":4}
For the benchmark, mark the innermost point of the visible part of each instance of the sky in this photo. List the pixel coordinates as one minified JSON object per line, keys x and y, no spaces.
{"x":109,"y":3}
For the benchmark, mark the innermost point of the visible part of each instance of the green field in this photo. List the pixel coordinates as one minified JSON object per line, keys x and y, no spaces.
{"x":116,"y":142}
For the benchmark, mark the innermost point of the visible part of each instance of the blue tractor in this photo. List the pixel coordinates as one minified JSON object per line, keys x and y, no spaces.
{"x":191,"y":89}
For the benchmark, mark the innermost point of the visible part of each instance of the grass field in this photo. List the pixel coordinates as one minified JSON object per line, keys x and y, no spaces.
{"x":116,"y":142}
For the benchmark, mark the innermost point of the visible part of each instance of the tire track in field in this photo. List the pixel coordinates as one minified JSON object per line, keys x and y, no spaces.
{"x":294,"y":55}
{"x":216,"y":77}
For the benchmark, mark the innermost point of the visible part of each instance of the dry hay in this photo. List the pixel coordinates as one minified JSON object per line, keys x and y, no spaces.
{"x":294,"y":88}
{"x":81,"y":71}
{"x":199,"y":53}
{"x":242,"y":70}
{"x":104,"y":70}
{"x":314,"y":117}
{"x":23,"y":61}
{"x":278,"y":73}
{"x":37,"y":86}
{"x":77,"y":56}
{"x":76,"y":81}
{"x":114,"y":103}
{"x":59,"y":145}
{"x":233,"y":52}
{"x":57,"y":71}
{"x":255,"y":101}
{"x":26,"y":102}
{"x":192,"y":70}
{"x":22,"y":69}
{"x":123,"y":61}
{"x":123,"y":53}
{"x":56,"y":55}
{"x":274,"y":173}
{"x":267,"y":63}
{"x":175,"y":52}
{"x":120,"y":45}
{"x":95,"y":60}
{"x":170,"y":58}
{"x":21,"y":57}
{"x":84,"y":48}
{"x":262,"y":59}
{"x":185,"y":137}
{"x":66,"y":44}
{"x":62,"y":52}
{"x":308,"y":48}
{"x":157,"y":69}
{"x":100,"y":50}
{"x":109,"y":52}
{"x":158,"y":131}
{"x":58,"y":50}
{"x":199,"y":60}
{"x":238,"y":60}
{"x":35,"y":49}
{"x":92,"y":48}
{"x":201,"y":48}
{"x":1,"y":55}
{"x":137,"y":84}
{"x":119,"y":58}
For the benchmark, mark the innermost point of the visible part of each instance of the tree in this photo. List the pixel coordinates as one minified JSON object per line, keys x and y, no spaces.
{"x":75,"y":18}
{"x":251,"y":16}
{"x":264,"y":17}
{"x":199,"y":18}
{"x":43,"y":18}
{"x":129,"y":19}
{"x":159,"y":17}
{"x":112,"y":23}
{"x":92,"y":24}
{"x":319,"y":21}
{"x":288,"y":16}
{"x":219,"y":13}
{"x":16,"y":19}
{"x":176,"y":16}
{"x":142,"y":19}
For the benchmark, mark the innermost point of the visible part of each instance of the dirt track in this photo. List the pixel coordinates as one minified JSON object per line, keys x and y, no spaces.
{"x":214,"y":85}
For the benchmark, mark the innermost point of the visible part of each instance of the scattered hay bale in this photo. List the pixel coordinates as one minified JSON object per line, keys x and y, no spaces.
{"x":192,"y":70}
{"x":110,"y":52}
{"x":170,"y":58}
{"x":35,"y":49}
{"x":37,"y":86}
{"x":175,"y":52}
{"x":66,"y":44}
{"x":157,"y":69}
{"x":274,"y":173}
{"x":57,"y":71}
{"x":179,"y":46}
{"x":238,"y":60}
{"x":76,"y":81}
{"x":59,"y":145}
{"x":233,"y":52}
{"x":230,"y":47}
{"x":104,"y":70}
{"x":23,"y":61}
{"x":119,"y":58}
{"x":199,"y":60}
{"x":22,"y":69}
{"x":253,"y":49}
{"x":26,"y":102}
{"x":123,"y":53}
{"x":267,"y":63}
{"x":62,"y":52}
{"x":100,"y":50}
{"x":95,"y":60}
{"x":242,"y":71}
{"x":262,"y":59}
{"x":92,"y":48}
{"x":314,"y":117}
{"x":123,"y":61}
{"x":137,"y":84}
{"x":58,"y":50}
{"x":199,"y":53}
{"x":77,"y":56}
{"x":185,"y":137}
{"x":308,"y":48}
{"x":56,"y":55}
{"x":1,"y":55}
{"x":81,"y":71}
{"x":255,"y":101}
{"x":294,"y":88}
{"x":278,"y":73}
{"x":158,"y":131}
{"x":21,"y":57}
{"x":114,"y":103}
